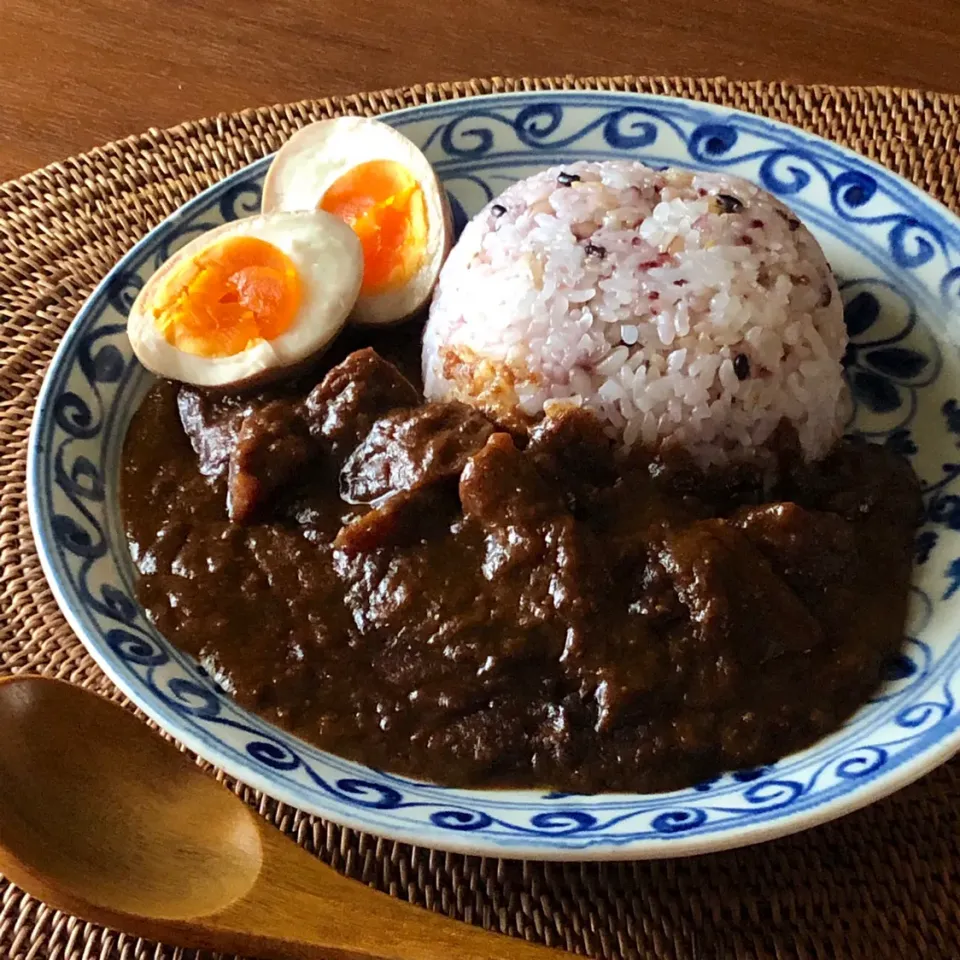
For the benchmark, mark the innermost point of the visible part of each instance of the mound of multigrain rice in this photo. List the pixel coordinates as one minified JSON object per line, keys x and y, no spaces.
{"x":681,"y":307}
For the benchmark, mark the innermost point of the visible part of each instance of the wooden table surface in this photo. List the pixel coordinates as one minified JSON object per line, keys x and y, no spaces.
{"x":75,"y":73}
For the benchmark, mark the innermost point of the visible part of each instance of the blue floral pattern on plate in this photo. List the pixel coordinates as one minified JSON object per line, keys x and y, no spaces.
{"x":897,"y":254}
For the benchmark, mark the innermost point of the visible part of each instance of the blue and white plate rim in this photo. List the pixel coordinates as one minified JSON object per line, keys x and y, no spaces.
{"x":905,"y":769}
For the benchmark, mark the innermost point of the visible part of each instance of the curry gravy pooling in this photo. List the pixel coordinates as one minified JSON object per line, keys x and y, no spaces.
{"x":509,"y":611}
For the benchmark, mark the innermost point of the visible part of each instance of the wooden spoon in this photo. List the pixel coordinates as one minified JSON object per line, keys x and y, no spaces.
{"x":103,"y":819}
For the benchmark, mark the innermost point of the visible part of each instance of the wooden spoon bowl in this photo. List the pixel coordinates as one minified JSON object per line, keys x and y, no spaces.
{"x":101,"y":818}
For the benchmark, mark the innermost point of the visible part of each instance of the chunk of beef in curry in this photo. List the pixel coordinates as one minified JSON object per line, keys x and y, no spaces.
{"x":406,"y":584}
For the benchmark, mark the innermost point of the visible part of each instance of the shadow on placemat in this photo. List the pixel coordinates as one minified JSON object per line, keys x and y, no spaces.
{"x":881,"y":883}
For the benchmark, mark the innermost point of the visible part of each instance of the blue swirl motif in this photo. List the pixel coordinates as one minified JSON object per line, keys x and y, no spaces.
{"x":472,"y":134}
{"x":241,"y":199}
{"x":712,"y":140}
{"x":191,"y":698}
{"x":136,"y":648}
{"x":273,"y":755}
{"x":852,"y":190}
{"x":679,"y":821}
{"x":122,"y":290}
{"x":462,"y":821}
{"x":889,"y":355}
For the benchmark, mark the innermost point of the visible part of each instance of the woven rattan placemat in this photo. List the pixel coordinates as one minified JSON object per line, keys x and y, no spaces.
{"x":882,"y":883}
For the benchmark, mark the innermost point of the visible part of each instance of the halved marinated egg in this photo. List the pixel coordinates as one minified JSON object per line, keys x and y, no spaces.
{"x":248,"y":300}
{"x":379,"y":182}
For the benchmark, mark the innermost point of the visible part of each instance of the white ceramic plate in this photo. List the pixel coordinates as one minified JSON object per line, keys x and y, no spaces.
{"x":897,"y":254}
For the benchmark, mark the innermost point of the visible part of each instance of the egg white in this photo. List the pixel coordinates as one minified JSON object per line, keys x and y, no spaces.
{"x":314,"y":158}
{"x":328,"y":258}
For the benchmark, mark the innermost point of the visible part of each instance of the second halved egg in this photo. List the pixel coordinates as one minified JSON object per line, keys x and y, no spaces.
{"x":379,"y":182}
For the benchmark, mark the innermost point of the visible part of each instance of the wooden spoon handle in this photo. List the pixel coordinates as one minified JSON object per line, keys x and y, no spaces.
{"x":305,"y":910}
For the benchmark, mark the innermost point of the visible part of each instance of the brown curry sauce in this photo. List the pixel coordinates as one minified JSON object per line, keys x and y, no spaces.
{"x":403,"y":584}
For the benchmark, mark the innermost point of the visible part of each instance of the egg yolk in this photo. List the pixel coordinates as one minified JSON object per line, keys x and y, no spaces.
{"x":385,"y":205}
{"x":228,"y":297}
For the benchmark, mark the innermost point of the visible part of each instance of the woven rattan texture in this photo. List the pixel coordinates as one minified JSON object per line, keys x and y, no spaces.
{"x":882,"y":883}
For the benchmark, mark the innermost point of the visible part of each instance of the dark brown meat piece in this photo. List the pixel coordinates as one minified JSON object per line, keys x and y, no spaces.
{"x":574,"y":455}
{"x":535,"y":556}
{"x":273,"y":443}
{"x":391,"y":524}
{"x":812,"y":551}
{"x":484,"y":740}
{"x":500,"y":486}
{"x":413,"y":448}
{"x":842,"y":572}
{"x":635,"y":670}
{"x":343,"y":407}
{"x":212,"y":424}
{"x":729,"y":589}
